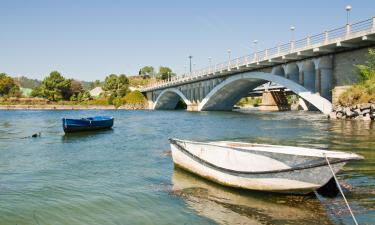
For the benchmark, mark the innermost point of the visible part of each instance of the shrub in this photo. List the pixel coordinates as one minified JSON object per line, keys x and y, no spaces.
{"x":364,"y":90}
{"x":117,"y":102}
{"x":134,"y":98}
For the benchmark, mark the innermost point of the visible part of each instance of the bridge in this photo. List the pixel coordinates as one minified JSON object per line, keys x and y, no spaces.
{"x":313,"y":68}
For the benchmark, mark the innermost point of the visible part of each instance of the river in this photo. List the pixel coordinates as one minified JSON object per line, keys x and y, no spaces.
{"x":126,"y":175}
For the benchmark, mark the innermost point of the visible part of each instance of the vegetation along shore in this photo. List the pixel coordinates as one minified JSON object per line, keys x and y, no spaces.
{"x":57,"y":92}
{"x":358,"y":101}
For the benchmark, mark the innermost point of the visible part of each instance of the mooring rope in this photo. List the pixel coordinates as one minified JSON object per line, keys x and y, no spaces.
{"x":342,"y":193}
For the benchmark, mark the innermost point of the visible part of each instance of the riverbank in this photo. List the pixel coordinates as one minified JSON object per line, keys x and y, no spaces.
{"x":69,"y":107}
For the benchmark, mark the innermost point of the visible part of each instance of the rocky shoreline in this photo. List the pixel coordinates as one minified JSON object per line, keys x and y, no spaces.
{"x":364,"y":112}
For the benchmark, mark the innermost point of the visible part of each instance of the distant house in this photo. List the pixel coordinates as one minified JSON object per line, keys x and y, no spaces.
{"x":96,"y":92}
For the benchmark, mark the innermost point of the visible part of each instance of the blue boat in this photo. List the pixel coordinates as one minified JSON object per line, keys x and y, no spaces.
{"x":87,"y":124}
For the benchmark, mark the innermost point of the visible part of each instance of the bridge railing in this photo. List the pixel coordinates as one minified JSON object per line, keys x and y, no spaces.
{"x":343,"y":33}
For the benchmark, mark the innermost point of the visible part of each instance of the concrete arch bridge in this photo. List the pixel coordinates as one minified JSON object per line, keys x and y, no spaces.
{"x":313,"y":68}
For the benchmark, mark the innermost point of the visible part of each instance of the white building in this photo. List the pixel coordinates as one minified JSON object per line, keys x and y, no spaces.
{"x":96,"y":92}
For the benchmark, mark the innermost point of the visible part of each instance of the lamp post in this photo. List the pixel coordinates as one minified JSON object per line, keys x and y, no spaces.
{"x":348,"y":8}
{"x":292,"y":28}
{"x":255,"y":42}
{"x":229,"y":54}
{"x":190,"y":57}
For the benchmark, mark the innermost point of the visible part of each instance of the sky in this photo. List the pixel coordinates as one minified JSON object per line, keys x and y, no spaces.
{"x":89,"y":39}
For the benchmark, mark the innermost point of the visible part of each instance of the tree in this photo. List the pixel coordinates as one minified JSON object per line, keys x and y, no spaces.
{"x":110,"y":83}
{"x":54,"y":87}
{"x":116,"y":86}
{"x":165,"y":73}
{"x":123,"y":85}
{"x":75,"y":87}
{"x":367,"y":71}
{"x":8,"y":86}
{"x":147,"y":71}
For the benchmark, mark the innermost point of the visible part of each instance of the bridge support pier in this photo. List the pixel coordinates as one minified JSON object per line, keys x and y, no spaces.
{"x":192,"y":107}
{"x":274,"y":101}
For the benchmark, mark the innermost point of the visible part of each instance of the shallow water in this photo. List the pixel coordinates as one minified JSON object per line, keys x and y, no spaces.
{"x":126,"y":175}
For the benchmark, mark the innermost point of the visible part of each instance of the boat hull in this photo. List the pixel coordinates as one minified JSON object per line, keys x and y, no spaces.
{"x":300,"y":181}
{"x":81,"y":125}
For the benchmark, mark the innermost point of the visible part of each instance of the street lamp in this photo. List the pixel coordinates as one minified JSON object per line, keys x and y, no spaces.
{"x":229,"y":53}
{"x":292,"y":28}
{"x":190,"y":57}
{"x":348,"y":8}
{"x":255,"y":42}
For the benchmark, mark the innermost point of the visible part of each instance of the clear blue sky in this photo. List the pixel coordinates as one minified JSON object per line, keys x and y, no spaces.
{"x":89,"y":39}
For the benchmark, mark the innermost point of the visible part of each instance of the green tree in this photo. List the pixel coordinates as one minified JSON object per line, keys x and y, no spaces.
{"x":165,"y":73}
{"x":364,"y":90}
{"x":75,"y":87}
{"x":8,"y":86}
{"x":116,"y":86}
{"x":367,"y":71}
{"x":55,"y":87}
{"x":123,"y":85}
{"x":147,"y":71}
{"x":110,"y":83}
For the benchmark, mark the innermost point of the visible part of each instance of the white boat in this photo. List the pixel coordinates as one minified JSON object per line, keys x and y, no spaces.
{"x":273,"y":168}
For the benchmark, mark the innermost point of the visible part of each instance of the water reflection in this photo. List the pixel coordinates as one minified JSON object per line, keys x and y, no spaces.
{"x":232,"y":206}
{"x":81,"y":136}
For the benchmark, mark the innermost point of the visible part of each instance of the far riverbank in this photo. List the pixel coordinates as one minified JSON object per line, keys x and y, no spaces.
{"x":67,"y":107}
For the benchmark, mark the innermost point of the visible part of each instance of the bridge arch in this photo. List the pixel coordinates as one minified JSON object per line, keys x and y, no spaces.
{"x":169,"y":98}
{"x":231,"y":90}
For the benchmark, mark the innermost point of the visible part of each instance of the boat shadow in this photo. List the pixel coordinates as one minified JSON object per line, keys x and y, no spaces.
{"x":226,"y":205}
{"x":85,"y":134}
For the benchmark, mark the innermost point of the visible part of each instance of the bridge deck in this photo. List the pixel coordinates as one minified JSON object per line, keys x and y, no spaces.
{"x":349,"y":36}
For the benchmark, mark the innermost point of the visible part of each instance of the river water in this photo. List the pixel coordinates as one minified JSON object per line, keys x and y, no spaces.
{"x":126,"y":175}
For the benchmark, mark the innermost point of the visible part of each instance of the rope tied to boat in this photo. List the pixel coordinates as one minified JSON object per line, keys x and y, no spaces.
{"x":339,"y":187}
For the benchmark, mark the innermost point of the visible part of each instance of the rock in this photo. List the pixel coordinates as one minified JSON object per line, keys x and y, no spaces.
{"x":332,"y":115}
{"x":358,"y":111}
{"x":339,"y":109}
{"x":373,"y":106}
{"x":348,"y":112}
{"x":365,"y":106}
{"x":340,"y":115}
{"x":366,"y":117}
{"x":365,"y":111}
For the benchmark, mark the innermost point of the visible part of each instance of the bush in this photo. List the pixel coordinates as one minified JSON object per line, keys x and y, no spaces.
{"x":134,"y":98}
{"x":8,"y":86}
{"x":117,"y":102}
{"x":364,"y":90}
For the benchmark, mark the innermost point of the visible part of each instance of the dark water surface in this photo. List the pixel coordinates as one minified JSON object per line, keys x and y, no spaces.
{"x":126,"y":175}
